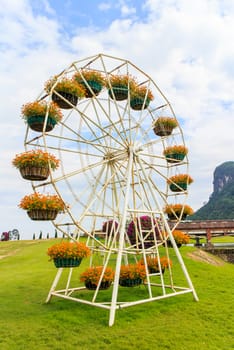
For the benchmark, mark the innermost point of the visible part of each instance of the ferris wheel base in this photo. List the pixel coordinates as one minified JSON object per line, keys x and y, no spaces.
{"x":67,"y":293}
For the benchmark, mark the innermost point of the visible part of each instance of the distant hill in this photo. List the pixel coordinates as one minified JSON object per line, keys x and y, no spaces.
{"x":221,"y":203}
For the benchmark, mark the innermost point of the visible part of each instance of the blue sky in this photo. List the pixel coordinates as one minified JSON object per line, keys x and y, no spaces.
{"x":185,"y":46}
{"x":98,"y":14}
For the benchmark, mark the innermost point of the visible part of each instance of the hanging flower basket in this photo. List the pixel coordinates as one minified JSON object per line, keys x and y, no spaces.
{"x":175,"y":154}
{"x":120,"y":85}
{"x":178,"y":211}
{"x":141,"y":96}
{"x":35,"y":113}
{"x":67,"y":262}
{"x":149,"y":229}
{"x":36,"y":123}
{"x":132,"y":275}
{"x":42,"y":207}
{"x":179,"y":237}
{"x":92,"y":81}
{"x":164,"y":126}
{"x":65,"y":92}
{"x":92,"y":275}
{"x":64,"y":100}
{"x":118,"y":92}
{"x":154,"y":262}
{"x":34,"y":173}
{"x":130,"y":282}
{"x":34,"y":165}
{"x":68,"y":254}
{"x":179,"y":183}
{"x":103,"y":285}
{"x":42,"y":214}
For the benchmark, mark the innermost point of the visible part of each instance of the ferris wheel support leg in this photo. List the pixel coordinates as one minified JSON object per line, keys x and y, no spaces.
{"x":121,"y":243}
{"x":179,"y":257}
{"x":176,"y":249}
{"x":54,"y":284}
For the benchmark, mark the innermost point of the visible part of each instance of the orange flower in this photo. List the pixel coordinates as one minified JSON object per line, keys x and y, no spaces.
{"x":133,"y":271}
{"x":153,"y":263}
{"x":41,"y":201}
{"x":64,"y":84}
{"x":180,"y":178}
{"x":177,"y":208}
{"x":35,"y":158}
{"x":68,"y":250}
{"x":180,"y":237}
{"x":93,"y":274}
{"x":40,"y":108}
{"x":181,"y":149}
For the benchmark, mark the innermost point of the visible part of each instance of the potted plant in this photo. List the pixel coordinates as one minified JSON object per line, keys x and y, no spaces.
{"x":35,"y":165}
{"x":68,"y":254}
{"x":154,"y":263}
{"x":140,"y":98}
{"x":132,"y":275}
{"x":38,"y":112}
{"x":42,"y":206}
{"x":179,"y":237}
{"x":119,"y":85}
{"x":110,"y":227}
{"x":91,"y":80}
{"x":65,"y":91}
{"x":145,"y":226}
{"x":175,"y":154}
{"x":163,"y":126}
{"x":94,"y":275}
{"x":180,"y":182}
{"x":177,"y":211}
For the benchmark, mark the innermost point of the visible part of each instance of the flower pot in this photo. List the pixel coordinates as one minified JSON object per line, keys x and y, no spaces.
{"x":67,"y":262}
{"x":118,"y":92}
{"x":169,"y":244}
{"x":172,"y":217}
{"x":178,"y":187}
{"x":34,"y":173}
{"x":103,"y":285}
{"x":138,"y":103}
{"x":155,"y":270}
{"x":175,"y":157}
{"x":36,"y":123}
{"x":128,"y":282}
{"x":73,"y":99}
{"x":93,"y":88}
{"x":42,"y":214}
{"x":163,"y":130}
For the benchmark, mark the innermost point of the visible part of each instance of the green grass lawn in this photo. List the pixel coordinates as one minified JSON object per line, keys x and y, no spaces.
{"x":177,"y":323}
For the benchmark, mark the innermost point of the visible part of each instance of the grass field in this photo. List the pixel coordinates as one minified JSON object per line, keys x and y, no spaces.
{"x":177,"y":323}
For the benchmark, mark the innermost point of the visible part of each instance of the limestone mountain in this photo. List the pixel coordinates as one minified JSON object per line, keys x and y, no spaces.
{"x":221,"y":202}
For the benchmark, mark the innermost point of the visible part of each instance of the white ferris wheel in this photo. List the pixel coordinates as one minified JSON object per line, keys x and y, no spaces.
{"x":113,"y":174}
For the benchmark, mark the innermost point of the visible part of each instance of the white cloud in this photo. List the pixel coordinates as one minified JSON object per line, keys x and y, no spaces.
{"x":185,"y":47}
